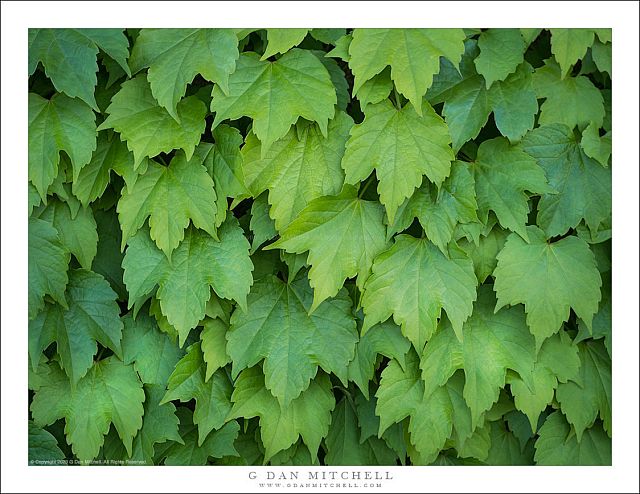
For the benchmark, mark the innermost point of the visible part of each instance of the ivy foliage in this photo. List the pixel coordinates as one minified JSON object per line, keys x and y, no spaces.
{"x":320,"y":246}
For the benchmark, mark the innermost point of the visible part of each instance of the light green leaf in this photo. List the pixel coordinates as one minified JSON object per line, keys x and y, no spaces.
{"x":298,"y":168}
{"x":48,"y":264}
{"x":467,"y":110}
{"x":275,"y":94}
{"x":58,"y":124}
{"x":169,"y":196}
{"x":343,"y":235}
{"x":199,"y":262}
{"x":584,"y":187}
{"x":176,"y":56}
{"x":501,"y":51}
{"x":402,"y":147}
{"x":147,"y":127}
{"x":502,"y":174}
{"x":308,"y":416}
{"x":282,"y":40}
{"x":573,"y":101}
{"x":483,"y":254}
{"x":212,"y":397}
{"x":375,"y":89}
{"x":371,"y":50}
{"x":570,"y":45}
{"x":557,"y":444}
{"x":328,"y":35}
{"x":549,"y":279}
{"x":491,"y":343}
{"x":214,"y":345}
{"x":109,"y":393}
{"x":341,"y":49}
{"x":596,"y":146}
{"x":601,"y":53}
{"x":588,"y":395}
{"x":278,"y":328}
{"x":414,"y":281}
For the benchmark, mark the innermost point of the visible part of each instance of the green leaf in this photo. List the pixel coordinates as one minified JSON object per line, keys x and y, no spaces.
{"x":341,"y":49}
{"x":43,"y":446}
{"x":502,"y":174}
{"x":176,"y":56}
{"x":501,"y":51}
{"x":467,"y":110}
{"x":376,"y":89}
{"x":147,"y":127}
{"x":214,"y":345}
{"x":549,"y":278}
{"x":218,"y":444}
{"x":343,"y":235}
{"x":108,"y":260}
{"x":573,"y":101}
{"x":601,"y":326}
{"x":298,"y":168}
{"x":588,"y":395}
{"x":169,"y":196}
{"x":275,"y":94}
{"x":212,"y":396}
{"x":371,"y":50}
{"x":505,"y":449}
{"x":308,"y":416}
{"x":584,"y":187}
{"x":262,"y":226}
{"x":69,"y":57}
{"x":58,"y":124}
{"x":282,"y":40}
{"x":109,"y":393}
{"x":570,"y":45}
{"x":595,"y":146}
{"x":48,"y":264}
{"x":439,"y":211}
{"x":491,"y":343}
{"x":557,"y":445}
{"x":384,"y":339}
{"x":414,"y":281}
{"x":329,"y":35}
{"x":159,"y":424}
{"x":278,"y":328}
{"x":483,"y":254}
{"x":402,"y":147}
{"x":78,"y":234}
{"x":557,"y":361}
{"x":92,"y":315}
{"x":199,"y":262}
{"x":152,"y":353}
{"x":601,"y":53}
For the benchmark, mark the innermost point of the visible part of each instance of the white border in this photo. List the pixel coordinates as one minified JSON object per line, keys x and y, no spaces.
{"x":18,"y":16}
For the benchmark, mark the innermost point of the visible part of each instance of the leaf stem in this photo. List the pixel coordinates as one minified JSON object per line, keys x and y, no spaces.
{"x":396,"y":96}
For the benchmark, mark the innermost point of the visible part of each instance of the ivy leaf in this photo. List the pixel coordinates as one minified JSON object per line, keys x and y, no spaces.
{"x":43,"y":446}
{"x":58,"y":124}
{"x":277,"y":327}
{"x":343,"y":234}
{"x":414,"y":281}
{"x":147,"y":127}
{"x":483,"y":254}
{"x":601,"y":53}
{"x":467,"y":110}
{"x":549,"y":279}
{"x":584,"y":187}
{"x":557,"y":445}
{"x":501,"y":51}
{"x":594,"y":146}
{"x":69,"y":57}
{"x":570,"y":45}
{"x":601,"y":326}
{"x":557,"y":362}
{"x":307,"y":416}
{"x":490,"y":344}
{"x":92,"y":315}
{"x":152,"y":353}
{"x":402,"y":146}
{"x":275,"y":94}
{"x":169,"y":196}
{"x":505,"y":448}
{"x":588,"y":395}
{"x":261,"y":224}
{"x":371,"y":50}
{"x":282,"y":40}
{"x":212,"y":397}
{"x":218,"y":444}
{"x":214,"y":345}
{"x":439,"y":211}
{"x":48,"y":264}
{"x":199,"y":262}
{"x":159,"y":424}
{"x":109,"y":393}
{"x":78,"y":234}
{"x":384,"y":339}
{"x":573,"y":101}
{"x":502,"y":174}
{"x":176,"y":56}
{"x":298,"y":168}
{"x":376,"y":89}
